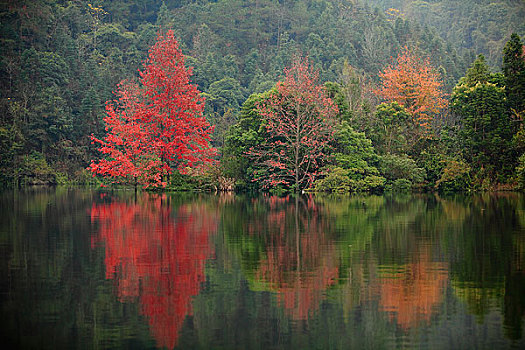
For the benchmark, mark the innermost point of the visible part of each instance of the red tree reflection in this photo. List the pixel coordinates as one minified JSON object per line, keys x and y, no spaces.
{"x":300,"y":261}
{"x":156,"y":257}
{"x":411,"y":293}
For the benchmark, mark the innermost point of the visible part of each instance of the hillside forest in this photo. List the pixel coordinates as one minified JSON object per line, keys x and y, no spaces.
{"x":276,"y":95}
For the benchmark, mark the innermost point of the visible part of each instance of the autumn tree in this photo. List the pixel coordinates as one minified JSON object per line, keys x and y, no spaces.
{"x":156,"y":125}
{"x":299,"y":120}
{"x":414,"y":84}
{"x":127,"y":143}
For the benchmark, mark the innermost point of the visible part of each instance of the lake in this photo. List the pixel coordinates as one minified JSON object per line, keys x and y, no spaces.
{"x":114,"y":269}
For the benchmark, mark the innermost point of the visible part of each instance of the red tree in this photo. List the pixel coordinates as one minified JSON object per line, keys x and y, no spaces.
{"x":157,"y":126}
{"x":414,"y":84}
{"x":299,"y":119}
{"x":127,"y":145}
{"x":156,"y":258}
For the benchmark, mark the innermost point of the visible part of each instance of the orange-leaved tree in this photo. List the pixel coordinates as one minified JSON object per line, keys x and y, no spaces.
{"x":413,"y":83}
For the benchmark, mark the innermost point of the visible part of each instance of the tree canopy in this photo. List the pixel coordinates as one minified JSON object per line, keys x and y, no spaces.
{"x":156,"y":125}
{"x":299,"y":122}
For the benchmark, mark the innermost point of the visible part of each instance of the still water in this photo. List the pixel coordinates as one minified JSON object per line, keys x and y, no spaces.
{"x":94,"y":269}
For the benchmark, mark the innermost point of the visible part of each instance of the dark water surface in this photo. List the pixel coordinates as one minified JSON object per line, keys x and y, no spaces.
{"x":91,"y":269}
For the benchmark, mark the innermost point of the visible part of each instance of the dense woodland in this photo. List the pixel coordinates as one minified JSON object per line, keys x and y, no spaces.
{"x":408,"y":94}
{"x":481,"y":25}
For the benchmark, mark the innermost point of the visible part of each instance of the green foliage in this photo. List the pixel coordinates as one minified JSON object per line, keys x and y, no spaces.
{"x":181,"y":182}
{"x":520,"y":172}
{"x":11,"y":145}
{"x":336,"y":94}
{"x":514,"y":71}
{"x":248,"y":132}
{"x":395,"y":167}
{"x":35,"y":170}
{"x":477,"y":73}
{"x":486,"y":130}
{"x":339,"y":180}
{"x":455,"y":177}
{"x":391,"y":128}
{"x":223,"y":99}
{"x":401,"y":185}
{"x":474,"y":26}
{"x":224,"y":94}
{"x":354,"y":165}
{"x":353,"y":151}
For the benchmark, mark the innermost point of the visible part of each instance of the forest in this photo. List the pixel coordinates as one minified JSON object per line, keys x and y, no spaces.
{"x":311,"y":95}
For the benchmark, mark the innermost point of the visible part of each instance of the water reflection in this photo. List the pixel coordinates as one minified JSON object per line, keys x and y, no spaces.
{"x":486,"y":257}
{"x":299,"y":261}
{"x":156,"y":255}
{"x":81,"y":269}
{"x":411,"y":293}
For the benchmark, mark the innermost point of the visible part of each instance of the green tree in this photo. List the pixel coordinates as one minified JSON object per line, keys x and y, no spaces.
{"x":249,"y":132}
{"x":163,"y":17}
{"x":354,"y":166}
{"x":223,"y":100}
{"x":401,"y":167}
{"x":391,"y":128}
{"x":514,"y":71}
{"x":479,"y":101}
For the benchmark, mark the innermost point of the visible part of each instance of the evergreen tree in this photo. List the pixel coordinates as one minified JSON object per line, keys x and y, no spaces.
{"x":514,"y":71}
{"x":163,"y":17}
{"x":480,"y":103}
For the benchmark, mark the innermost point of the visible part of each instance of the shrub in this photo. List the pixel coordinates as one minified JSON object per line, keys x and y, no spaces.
{"x":394,"y":167}
{"x":401,"y":185}
{"x":454,"y":177}
{"x":520,"y":172}
{"x":338,"y":181}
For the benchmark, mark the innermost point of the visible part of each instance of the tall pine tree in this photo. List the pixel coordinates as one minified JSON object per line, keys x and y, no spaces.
{"x":514,"y":71}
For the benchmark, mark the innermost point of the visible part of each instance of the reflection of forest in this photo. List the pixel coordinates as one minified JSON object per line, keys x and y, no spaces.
{"x":366,"y":272}
{"x":299,"y":261}
{"x":292,"y":246}
{"x":397,"y":251}
{"x":298,"y":267}
{"x":411,"y":293}
{"x":394,"y":252}
{"x":157,"y":256}
{"x":421,"y":242}
{"x":486,"y":256}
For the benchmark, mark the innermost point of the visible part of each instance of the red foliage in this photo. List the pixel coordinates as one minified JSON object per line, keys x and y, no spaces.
{"x":156,"y":258}
{"x":156,"y":126}
{"x":300,"y":119}
{"x":413,"y":83}
{"x":298,"y":267}
{"x":127,"y":145}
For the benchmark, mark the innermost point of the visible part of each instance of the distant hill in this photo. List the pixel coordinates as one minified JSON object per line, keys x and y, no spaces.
{"x":481,"y":25}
